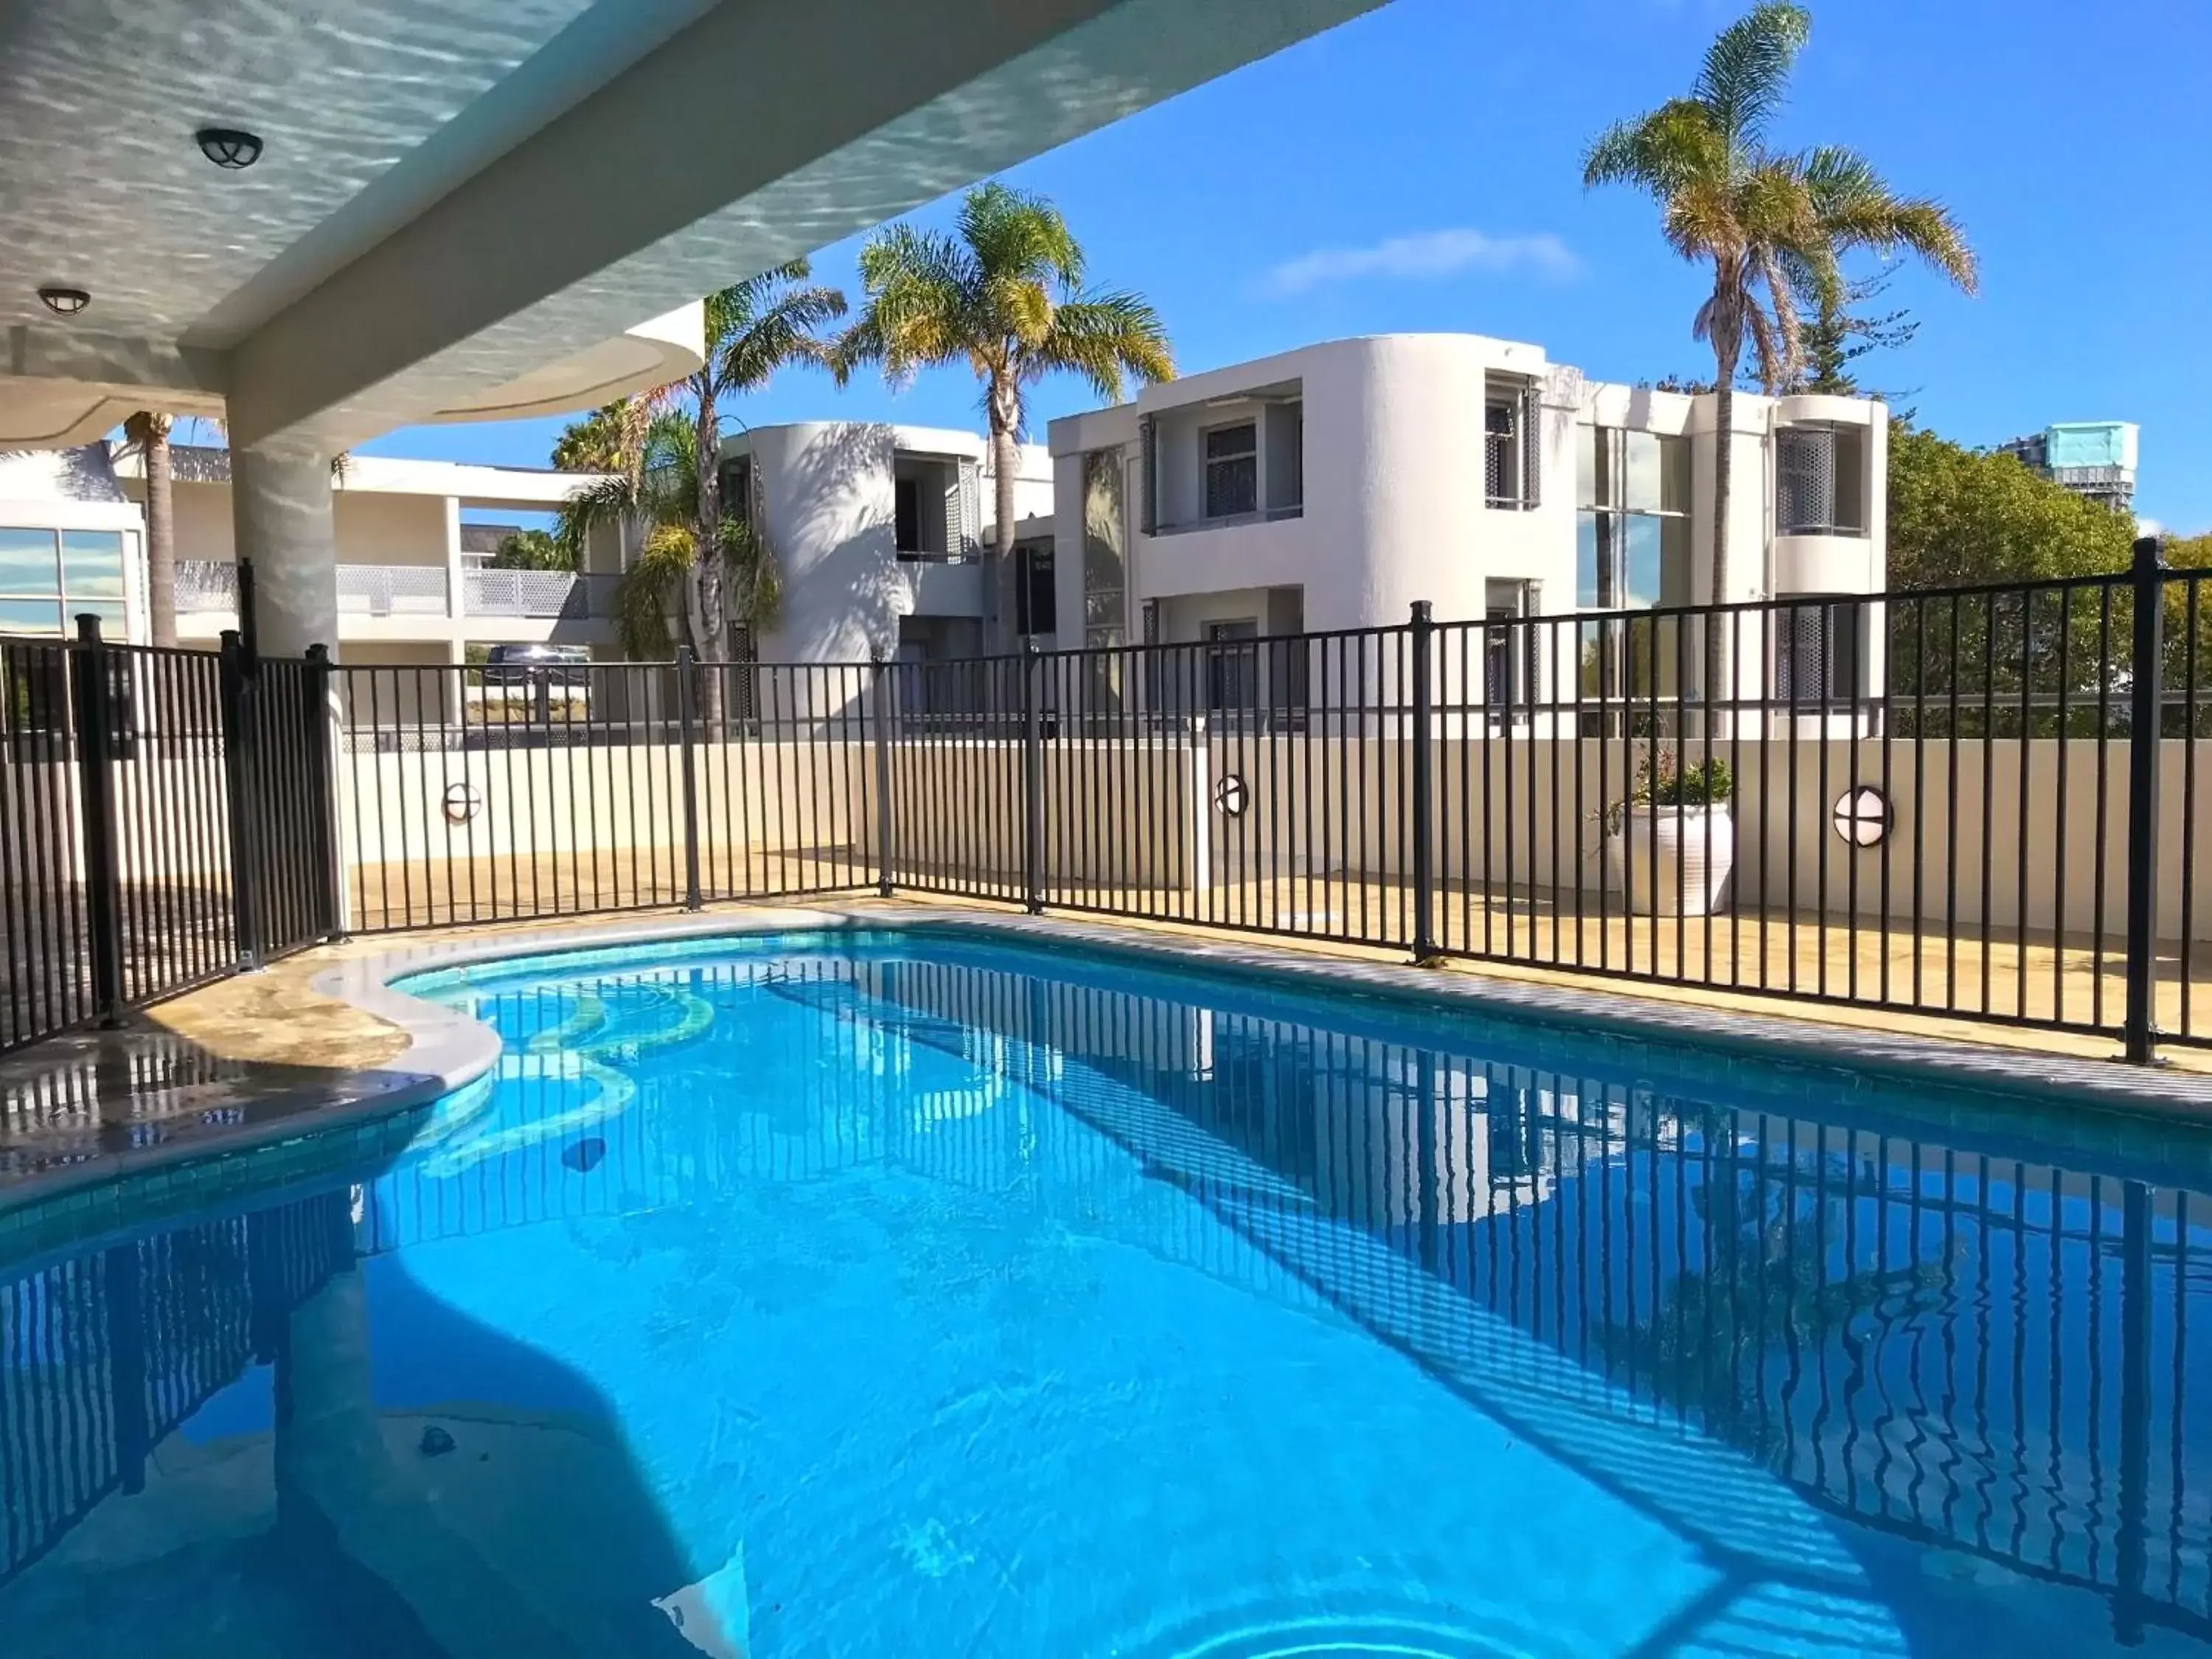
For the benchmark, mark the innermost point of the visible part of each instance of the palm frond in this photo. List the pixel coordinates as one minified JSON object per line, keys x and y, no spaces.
{"x":1747,"y":68}
{"x":1105,"y":337}
{"x":1660,"y":154}
{"x":1018,"y":236}
{"x":755,"y":588}
{"x":663,"y":565}
{"x":606,"y":501}
{"x":1857,"y":209}
{"x":765,"y":322}
{"x":919,"y":288}
{"x":145,"y":428}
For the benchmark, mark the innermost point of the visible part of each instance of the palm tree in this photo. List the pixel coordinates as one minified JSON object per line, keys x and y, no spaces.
{"x":148,"y":433}
{"x":1004,"y":294}
{"x":672,"y":488}
{"x":654,"y":486}
{"x":1772,"y":223}
{"x":753,"y":329}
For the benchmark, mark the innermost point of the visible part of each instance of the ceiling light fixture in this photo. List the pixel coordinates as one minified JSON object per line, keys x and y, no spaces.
{"x":227,"y":147}
{"x":65,"y":301}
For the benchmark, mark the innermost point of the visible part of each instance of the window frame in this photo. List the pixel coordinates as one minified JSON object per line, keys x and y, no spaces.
{"x":1207,"y":461}
{"x":1521,"y":468}
{"x":1607,"y":511}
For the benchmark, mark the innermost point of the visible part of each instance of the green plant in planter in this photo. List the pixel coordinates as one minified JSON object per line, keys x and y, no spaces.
{"x":1662,"y":780}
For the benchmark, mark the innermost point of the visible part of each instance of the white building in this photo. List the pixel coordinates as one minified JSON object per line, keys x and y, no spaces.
{"x":412,"y":589}
{"x":1333,"y":486}
{"x":879,"y":535}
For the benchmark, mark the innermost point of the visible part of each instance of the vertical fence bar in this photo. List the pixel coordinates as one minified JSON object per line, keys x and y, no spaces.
{"x":1423,"y":738}
{"x":90,"y":681}
{"x":1033,"y":782}
{"x":887,"y":820}
{"x":687,"y":686}
{"x":237,"y":763}
{"x":322,"y":797}
{"x":2143,"y":728}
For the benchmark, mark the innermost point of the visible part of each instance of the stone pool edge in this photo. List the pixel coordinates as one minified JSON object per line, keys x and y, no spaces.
{"x":447,"y":1049}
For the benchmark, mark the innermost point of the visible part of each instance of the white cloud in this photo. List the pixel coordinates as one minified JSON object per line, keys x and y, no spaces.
{"x":1425,"y":256}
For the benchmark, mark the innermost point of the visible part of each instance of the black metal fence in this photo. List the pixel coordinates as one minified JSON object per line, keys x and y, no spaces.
{"x":1923,"y":802}
{"x":163,"y":820}
{"x":1926,"y":802}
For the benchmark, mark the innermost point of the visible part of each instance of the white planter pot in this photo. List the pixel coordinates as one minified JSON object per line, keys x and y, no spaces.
{"x":1670,"y":860}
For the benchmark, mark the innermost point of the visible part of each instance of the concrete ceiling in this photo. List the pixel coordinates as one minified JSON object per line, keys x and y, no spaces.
{"x":470,"y":209}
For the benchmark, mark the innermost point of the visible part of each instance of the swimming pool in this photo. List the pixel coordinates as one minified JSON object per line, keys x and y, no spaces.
{"x":918,"y":1293}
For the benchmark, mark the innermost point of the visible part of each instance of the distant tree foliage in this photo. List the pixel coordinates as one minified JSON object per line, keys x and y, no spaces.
{"x":2190,"y":552}
{"x":1844,"y":330}
{"x":532,"y":550}
{"x":1957,"y":516}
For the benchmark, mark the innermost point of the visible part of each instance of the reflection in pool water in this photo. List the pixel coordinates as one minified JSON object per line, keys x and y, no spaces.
{"x":929,"y":1297}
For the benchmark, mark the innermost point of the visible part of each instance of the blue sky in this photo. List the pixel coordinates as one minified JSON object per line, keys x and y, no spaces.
{"x":1417,"y":169}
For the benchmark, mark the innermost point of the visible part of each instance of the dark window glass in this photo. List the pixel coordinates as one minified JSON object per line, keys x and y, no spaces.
{"x":1232,"y":665}
{"x":1232,"y":471}
{"x":1035,"y":595}
{"x":907,"y":512}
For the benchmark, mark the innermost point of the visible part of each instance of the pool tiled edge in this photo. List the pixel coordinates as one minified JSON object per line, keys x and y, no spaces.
{"x":374,"y":1114}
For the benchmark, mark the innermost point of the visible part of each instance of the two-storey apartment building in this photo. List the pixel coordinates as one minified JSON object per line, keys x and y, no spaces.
{"x":1332,"y":486}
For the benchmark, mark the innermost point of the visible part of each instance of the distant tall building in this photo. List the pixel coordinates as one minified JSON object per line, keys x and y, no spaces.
{"x":2095,"y":459}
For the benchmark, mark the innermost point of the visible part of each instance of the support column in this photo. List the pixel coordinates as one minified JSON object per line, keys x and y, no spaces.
{"x":455,"y":570}
{"x":281,"y":514}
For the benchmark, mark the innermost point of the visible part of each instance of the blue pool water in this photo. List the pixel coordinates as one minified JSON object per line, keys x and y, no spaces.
{"x":891,"y":1295}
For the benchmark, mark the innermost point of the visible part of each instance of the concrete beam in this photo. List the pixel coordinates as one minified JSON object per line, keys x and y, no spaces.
{"x":763,"y":131}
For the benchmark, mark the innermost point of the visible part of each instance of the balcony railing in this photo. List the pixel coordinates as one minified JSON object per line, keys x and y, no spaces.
{"x":392,"y":590}
{"x":487,"y":592}
{"x":416,"y":589}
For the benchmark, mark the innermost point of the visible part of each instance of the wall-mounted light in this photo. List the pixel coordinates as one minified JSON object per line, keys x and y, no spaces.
{"x":227,"y":147}
{"x":64,"y":301}
{"x":1863,"y":816}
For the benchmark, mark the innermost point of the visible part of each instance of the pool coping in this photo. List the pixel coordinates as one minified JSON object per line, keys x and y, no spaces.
{"x":446,"y":1049}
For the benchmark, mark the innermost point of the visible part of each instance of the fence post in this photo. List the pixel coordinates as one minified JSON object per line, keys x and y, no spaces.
{"x":687,"y":685}
{"x":90,"y":684}
{"x":1423,"y":739}
{"x":249,"y":633}
{"x":886,"y":854}
{"x":239,"y":759}
{"x":322,"y":755}
{"x":2145,"y":725}
{"x":1032,"y":780}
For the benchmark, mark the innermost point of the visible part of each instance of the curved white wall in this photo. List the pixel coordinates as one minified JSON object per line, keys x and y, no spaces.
{"x":829,"y":509}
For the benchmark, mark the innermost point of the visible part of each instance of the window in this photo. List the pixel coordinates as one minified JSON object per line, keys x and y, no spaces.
{"x":1820,"y":481}
{"x":1232,"y":665}
{"x":1232,"y":471}
{"x":1819,"y":650}
{"x":1036,"y":598}
{"x":1511,"y":426}
{"x":49,"y":577}
{"x":738,"y":489}
{"x":1633,"y":529}
{"x":1505,"y":679}
{"x":906,"y":513}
